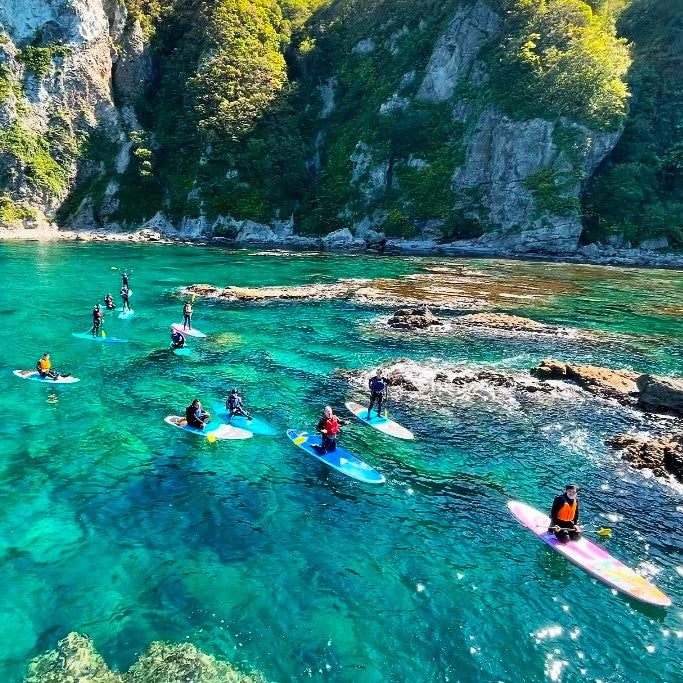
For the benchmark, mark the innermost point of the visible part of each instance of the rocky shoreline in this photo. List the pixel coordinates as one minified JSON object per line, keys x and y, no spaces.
{"x":342,"y":241}
{"x":658,"y":399}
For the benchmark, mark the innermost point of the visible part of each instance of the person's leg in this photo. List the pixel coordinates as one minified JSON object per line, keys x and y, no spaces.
{"x":380,"y":399}
{"x":373,"y":398}
{"x":562,"y":535}
{"x":574,"y":535}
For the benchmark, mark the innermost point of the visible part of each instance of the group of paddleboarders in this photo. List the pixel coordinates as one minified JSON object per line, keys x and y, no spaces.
{"x":198,"y":418}
{"x":98,"y":314}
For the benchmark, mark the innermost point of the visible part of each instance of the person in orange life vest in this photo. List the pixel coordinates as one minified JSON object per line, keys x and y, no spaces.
{"x":44,"y":368}
{"x":564,"y":515}
{"x":328,"y":426}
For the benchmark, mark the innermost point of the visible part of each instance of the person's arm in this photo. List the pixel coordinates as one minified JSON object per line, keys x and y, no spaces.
{"x":576,"y":517}
{"x":321,"y":426}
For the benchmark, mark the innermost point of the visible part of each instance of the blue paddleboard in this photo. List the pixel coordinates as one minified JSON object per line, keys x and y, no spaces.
{"x":182,"y":351}
{"x":339,"y":459}
{"x":255,"y":426}
{"x":128,"y":313}
{"x":103,"y":340}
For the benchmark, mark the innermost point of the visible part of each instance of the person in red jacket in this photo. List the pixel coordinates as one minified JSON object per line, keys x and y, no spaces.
{"x":564,"y":515}
{"x":328,"y":426}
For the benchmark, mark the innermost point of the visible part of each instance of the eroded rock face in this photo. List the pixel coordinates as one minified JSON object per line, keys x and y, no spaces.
{"x":604,"y":382}
{"x":662,"y":454}
{"x":661,"y":394}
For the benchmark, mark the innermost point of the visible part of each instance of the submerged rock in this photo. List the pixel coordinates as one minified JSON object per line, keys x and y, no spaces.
{"x":662,"y":454}
{"x":75,"y":660}
{"x":661,"y":394}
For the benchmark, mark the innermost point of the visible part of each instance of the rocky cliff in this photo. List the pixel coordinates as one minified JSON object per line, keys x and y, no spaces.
{"x":386,"y":121}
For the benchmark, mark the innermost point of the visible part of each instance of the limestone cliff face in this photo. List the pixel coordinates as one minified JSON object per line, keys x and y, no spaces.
{"x":57,"y":58}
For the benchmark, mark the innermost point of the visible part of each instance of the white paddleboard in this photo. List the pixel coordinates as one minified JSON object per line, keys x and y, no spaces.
{"x":218,"y":429}
{"x":381,"y":424}
{"x":35,"y":376}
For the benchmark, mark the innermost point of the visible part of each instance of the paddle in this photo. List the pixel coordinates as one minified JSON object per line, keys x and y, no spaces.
{"x":602,"y":531}
{"x":386,"y":401}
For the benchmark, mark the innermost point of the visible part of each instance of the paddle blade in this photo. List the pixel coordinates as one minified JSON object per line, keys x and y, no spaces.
{"x":210,"y":437}
{"x":604,"y":532}
{"x":103,"y":333}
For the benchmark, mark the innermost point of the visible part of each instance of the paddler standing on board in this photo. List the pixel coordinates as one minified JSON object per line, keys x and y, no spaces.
{"x":564,"y":515}
{"x":187,"y":316}
{"x":378,"y":389}
{"x":97,"y":316}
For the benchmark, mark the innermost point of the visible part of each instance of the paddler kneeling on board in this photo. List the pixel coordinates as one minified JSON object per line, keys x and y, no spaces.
{"x":195,"y":416}
{"x":564,"y":515}
{"x":109,"y":302}
{"x":177,"y":340}
{"x":235,"y":406}
{"x":328,"y":426}
{"x":44,"y":368}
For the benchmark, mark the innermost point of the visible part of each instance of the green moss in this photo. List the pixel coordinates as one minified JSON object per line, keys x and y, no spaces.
{"x":5,"y":84}
{"x":397,"y":224}
{"x":548,"y":192}
{"x":39,"y":59}
{"x":12,"y":212}
{"x":32,"y":151}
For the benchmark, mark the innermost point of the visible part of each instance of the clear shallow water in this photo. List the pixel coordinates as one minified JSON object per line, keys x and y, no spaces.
{"x":115,"y":524}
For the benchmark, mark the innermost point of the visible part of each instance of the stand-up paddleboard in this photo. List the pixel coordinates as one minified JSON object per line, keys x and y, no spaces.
{"x":591,"y":558}
{"x":103,"y":340}
{"x":255,"y":426}
{"x":35,"y":376}
{"x":128,"y":313}
{"x":188,"y":332}
{"x":381,"y":424}
{"x":219,"y":430}
{"x":182,"y":351}
{"x":339,"y":459}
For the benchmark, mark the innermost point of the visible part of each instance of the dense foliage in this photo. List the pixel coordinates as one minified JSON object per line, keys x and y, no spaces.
{"x":638,"y":193}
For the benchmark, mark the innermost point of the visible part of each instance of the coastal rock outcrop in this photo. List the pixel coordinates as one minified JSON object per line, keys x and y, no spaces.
{"x":662,"y":454}
{"x":413,"y":318}
{"x":75,"y":660}
{"x":604,"y":382}
{"x":661,"y":394}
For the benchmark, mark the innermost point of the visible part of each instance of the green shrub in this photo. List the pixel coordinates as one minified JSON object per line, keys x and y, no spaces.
{"x":12,"y":212}
{"x":39,"y":59}
{"x":548,"y":193}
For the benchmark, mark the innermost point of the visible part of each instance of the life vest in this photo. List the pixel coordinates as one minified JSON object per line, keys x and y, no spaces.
{"x":567,"y":512}
{"x":44,"y":364}
{"x":234,"y":402}
{"x":331,"y":426}
{"x":378,"y":385}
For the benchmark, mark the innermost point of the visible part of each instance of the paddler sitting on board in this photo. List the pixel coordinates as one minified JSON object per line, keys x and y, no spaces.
{"x":378,"y":389}
{"x":177,"y":340}
{"x":234,"y":405}
{"x":109,"y":302}
{"x":44,"y":368}
{"x":564,"y":515}
{"x":195,"y":416}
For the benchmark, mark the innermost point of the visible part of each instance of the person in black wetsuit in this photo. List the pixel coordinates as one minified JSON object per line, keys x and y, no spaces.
{"x":187,"y":316}
{"x":125,"y":293}
{"x":235,"y":406}
{"x":177,"y":340}
{"x":97,"y":316}
{"x":378,"y":389}
{"x":124,"y":278}
{"x":195,"y":416}
{"x":564,"y":515}
{"x":109,"y":302}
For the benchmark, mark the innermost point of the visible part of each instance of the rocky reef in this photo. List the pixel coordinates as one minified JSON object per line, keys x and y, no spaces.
{"x":662,"y":454}
{"x":75,"y":660}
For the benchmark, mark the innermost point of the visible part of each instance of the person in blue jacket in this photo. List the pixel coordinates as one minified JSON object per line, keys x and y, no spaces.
{"x":235,"y":406}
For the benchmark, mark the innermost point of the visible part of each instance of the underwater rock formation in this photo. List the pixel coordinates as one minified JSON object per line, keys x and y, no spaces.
{"x":75,"y":660}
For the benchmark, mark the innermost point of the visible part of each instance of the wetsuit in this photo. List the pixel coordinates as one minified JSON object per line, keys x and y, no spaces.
{"x":124,"y":295}
{"x":124,"y":280}
{"x":378,"y":387}
{"x":196,"y":417}
{"x":187,"y":316}
{"x":177,"y":340}
{"x":109,"y":303}
{"x":97,"y":316}
{"x":329,"y":436}
{"x":235,"y":406}
{"x":565,"y":514}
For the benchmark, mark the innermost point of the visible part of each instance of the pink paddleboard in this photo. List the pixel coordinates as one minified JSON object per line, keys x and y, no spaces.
{"x":591,"y":558}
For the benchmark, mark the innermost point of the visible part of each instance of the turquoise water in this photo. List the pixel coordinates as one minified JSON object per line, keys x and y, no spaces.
{"x":115,"y":524}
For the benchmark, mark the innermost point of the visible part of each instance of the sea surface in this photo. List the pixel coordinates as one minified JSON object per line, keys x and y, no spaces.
{"x":115,"y":524}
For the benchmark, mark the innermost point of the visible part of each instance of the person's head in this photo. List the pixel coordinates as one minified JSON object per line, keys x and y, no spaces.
{"x":234,"y":392}
{"x":196,"y":403}
{"x":571,"y":490}
{"x":46,"y":356}
{"x":328,"y":411}
{"x":378,"y":373}
{"x":97,"y":306}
